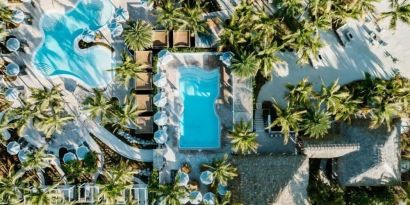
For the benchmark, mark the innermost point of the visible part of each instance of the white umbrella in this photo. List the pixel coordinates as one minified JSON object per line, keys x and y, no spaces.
{"x":182,"y":179}
{"x":160,"y":99}
{"x":161,"y":136}
{"x":160,"y":118}
{"x":121,"y":15}
{"x":169,"y":154}
{"x":209,"y":198}
{"x":13,"y":44}
{"x":195,"y":197}
{"x":221,"y":189}
{"x":226,"y":58}
{"x":22,"y":155}
{"x":160,"y":79}
{"x":82,"y":152}
{"x":11,"y":94}
{"x":69,"y":156}
{"x":17,"y":16}
{"x":207,"y":177}
{"x":13,"y":148}
{"x":115,"y":28}
{"x":164,"y":56}
{"x":88,"y":36}
{"x":12,"y":69}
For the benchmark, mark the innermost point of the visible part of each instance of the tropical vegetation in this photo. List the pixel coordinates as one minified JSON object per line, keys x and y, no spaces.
{"x":222,"y":170}
{"x":243,"y":138}
{"x":400,"y":11}
{"x":127,"y":70}
{"x":138,"y":35}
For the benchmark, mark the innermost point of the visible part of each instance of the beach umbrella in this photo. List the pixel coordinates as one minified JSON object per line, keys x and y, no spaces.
{"x":169,"y":154}
{"x":160,"y":99}
{"x":195,"y":197}
{"x":182,"y":179}
{"x":11,"y":94}
{"x":164,"y":57}
{"x":82,"y":152}
{"x":22,"y":155}
{"x":17,"y":16}
{"x":207,"y":177}
{"x":88,"y":36}
{"x":160,"y":118}
{"x":69,"y":156}
{"x":13,"y":148}
{"x":221,"y":189}
{"x":225,"y":58}
{"x":12,"y":69}
{"x":209,"y":198}
{"x":160,"y":79}
{"x":161,"y":136}
{"x":121,"y":15}
{"x":184,"y":199}
{"x":13,"y":44}
{"x":115,"y":28}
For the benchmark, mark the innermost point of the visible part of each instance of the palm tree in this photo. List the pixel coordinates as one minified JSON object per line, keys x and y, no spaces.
{"x":226,"y":200}
{"x":125,"y":115}
{"x":169,"y":194}
{"x":5,"y":14}
{"x":245,"y":65}
{"x":169,"y":16}
{"x":332,"y":96}
{"x":52,"y":123}
{"x":243,"y":139}
{"x":21,"y":117}
{"x":299,"y":94}
{"x":360,"y":8}
{"x":138,"y":35}
{"x":400,"y":11}
{"x":37,"y":160}
{"x":98,"y":106}
{"x":346,"y":109}
{"x":288,"y":119}
{"x":12,"y":187}
{"x":267,"y":57}
{"x":127,"y":70}
{"x":383,"y":113}
{"x":39,"y":195}
{"x":43,"y":99}
{"x":316,"y":123}
{"x":290,"y":8}
{"x":192,"y":19}
{"x":223,"y":170}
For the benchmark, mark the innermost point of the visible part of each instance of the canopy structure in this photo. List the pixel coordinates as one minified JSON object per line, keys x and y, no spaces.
{"x":22,"y":155}
{"x":69,"y":156}
{"x":12,"y":69}
{"x":82,"y":152}
{"x":221,"y":189}
{"x":195,"y":197}
{"x":209,"y":198}
{"x":182,"y":178}
{"x":169,"y":154}
{"x":160,"y":99}
{"x":12,"y":44}
{"x":121,"y":15}
{"x":160,"y":79}
{"x":161,"y":136}
{"x":11,"y":94}
{"x":17,"y":16}
{"x":160,"y":118}
{"x":115,"y":28}
{"x":207,"y":177}
{"x":13,"y":148}
{"x":164,"y":56}
{"x":226,"y":58}
{"x":88,"y":35}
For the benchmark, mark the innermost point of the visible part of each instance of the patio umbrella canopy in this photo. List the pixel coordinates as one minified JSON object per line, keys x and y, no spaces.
{"x":195,"y":197}
{"x":160,"y":118}
{"x":209,"y":198}
{"x":11,"y":94}
{"x":226,"y":58}
{"x":12,"y":69}
{"x":13,"y":148}
{"x":82,"y":152}
{"x":115,"y":28}
{"x":182,"y":178}
{"x":161,"y":136}
{"x":88,"y":36}
{"x":164,"y":56}
{"x":160,"y":79}
{"x":221,"y":189}
{"x":160,"y":99}
{"x":69,"y":156}
{"x":13,"y":44}
{"x":207,"y":177}
{"x":121,"y":15}
{"x":22,"y":155}
{"x":17,"y":16}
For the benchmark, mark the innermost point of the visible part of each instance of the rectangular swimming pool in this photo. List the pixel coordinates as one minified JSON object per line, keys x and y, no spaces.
{"x":199,"y":123}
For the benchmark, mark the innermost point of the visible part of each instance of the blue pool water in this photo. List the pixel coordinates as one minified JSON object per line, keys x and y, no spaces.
{"x":199,"y":123}
{"x":59,"y":54}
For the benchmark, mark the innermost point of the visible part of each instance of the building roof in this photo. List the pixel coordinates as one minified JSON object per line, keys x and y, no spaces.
{"x":271,"y":180}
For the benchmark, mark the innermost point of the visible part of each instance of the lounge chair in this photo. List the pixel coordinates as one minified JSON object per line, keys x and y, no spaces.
{"x":144,"y":58}
{"x":181,"y":39}
{"x":145,"y":125}
{"x":144,"y":102}
{"x":143,"y":81}
{"x":160,"y":39}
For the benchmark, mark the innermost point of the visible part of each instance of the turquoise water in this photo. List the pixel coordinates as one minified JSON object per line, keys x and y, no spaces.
{"x":59,"y":54}
{"x":199,"y":123}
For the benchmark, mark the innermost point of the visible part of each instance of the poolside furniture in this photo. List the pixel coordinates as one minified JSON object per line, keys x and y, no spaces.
{"x":181,"y":39}
{"x":144,"y":58}
{"x":140,"y":193}
{"x":161,"y":136}
{"x":64,"y":193}
{"x":11,"y":94}
{"x":87,"y":193}
{"x":195,"y":197}
{"x":12,"y":69}
{"x":69,"y":156}
{"x":13,"y":44}
{"x":82,"y":152}
{"x":160,"y":99}
{"x":144,"y":124}
{"x":160,"y":118}
{"x":13,"y":148}
{"x":160,"y":79}
{"x":206,"y":177}
{"x":143,"y":81}
{"x":182,"y":179}
{"x":144,"y":102}
{"x":160,"y":39}
{"x":209,"y":198}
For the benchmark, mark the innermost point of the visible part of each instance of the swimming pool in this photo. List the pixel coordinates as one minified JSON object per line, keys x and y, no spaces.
{"x":199,"y":123}
{"x":59,"y":54}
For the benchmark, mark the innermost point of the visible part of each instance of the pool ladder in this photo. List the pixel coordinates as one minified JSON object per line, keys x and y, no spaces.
{"x":44,"y":68}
